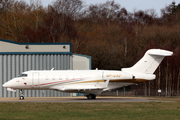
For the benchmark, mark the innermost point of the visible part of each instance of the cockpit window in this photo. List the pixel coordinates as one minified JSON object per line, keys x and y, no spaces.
{"x":22,"y":75}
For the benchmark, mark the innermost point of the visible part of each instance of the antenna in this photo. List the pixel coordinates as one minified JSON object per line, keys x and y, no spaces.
{"x":52,"y":69}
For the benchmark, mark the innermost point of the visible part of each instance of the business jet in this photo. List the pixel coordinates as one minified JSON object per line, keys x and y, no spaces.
{"x":89,"y":82}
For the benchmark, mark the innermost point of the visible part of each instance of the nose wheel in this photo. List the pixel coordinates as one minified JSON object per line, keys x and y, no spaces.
{"x":21,"y":97}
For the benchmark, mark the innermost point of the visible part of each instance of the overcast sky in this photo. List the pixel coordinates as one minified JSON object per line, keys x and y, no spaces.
{"x":130,"y":5}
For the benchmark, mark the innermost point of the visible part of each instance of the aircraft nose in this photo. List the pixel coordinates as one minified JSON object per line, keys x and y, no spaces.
{"x":5,"y":85}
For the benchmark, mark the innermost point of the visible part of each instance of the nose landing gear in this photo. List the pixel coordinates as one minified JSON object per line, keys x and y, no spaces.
{"x":21,"y":97}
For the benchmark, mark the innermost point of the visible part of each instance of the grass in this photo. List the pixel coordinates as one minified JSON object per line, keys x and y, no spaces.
{"x":92,"y":111}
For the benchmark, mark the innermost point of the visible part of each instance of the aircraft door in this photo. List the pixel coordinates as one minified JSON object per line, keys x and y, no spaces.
{"x":35,"y":80}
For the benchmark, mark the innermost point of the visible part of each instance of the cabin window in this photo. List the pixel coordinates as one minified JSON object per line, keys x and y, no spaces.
{"x":22,"y":75}
{"x":47,"y":78}
{"x":53,"y":78}
{"x":60,"y":78}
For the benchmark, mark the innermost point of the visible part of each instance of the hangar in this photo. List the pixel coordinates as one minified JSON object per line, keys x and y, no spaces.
{"x":16,"y":58}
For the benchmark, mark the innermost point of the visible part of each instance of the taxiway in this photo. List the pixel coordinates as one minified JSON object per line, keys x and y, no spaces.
{"x":79,"y":99}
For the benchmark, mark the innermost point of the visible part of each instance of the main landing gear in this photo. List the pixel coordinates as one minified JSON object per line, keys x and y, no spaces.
{"x":91,"y":96}
{"x":21,"y":97}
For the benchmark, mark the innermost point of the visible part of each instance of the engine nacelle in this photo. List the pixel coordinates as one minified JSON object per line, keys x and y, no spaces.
{"x":144,"y":76}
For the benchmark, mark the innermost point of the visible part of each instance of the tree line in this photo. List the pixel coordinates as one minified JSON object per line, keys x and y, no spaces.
{"x":114,"y":37}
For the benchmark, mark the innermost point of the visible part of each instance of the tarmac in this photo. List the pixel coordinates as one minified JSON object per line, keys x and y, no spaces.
{"x":80,"y":99}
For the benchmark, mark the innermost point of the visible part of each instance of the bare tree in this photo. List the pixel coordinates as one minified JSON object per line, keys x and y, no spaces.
{"x":70,"y":8}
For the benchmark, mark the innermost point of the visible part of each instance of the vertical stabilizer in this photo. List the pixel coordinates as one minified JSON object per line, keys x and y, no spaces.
{"x":149,"y":62}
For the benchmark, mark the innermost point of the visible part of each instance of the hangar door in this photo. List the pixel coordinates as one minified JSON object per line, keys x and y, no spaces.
{"x":13,"y":65}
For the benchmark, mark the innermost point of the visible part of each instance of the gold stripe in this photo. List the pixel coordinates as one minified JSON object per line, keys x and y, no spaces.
{"x":87,"y":82}
{"x":129,"y":80}
{"x":90,"y":81}
{"x":116,"y":80}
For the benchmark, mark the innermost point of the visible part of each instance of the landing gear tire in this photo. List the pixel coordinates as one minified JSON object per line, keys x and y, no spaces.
{"x":94,"y":97}
{"x":91,"y":96}
{"x":21,"y":97}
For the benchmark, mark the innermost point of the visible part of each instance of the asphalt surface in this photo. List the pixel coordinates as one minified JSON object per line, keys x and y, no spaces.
{"x":79,"y":99}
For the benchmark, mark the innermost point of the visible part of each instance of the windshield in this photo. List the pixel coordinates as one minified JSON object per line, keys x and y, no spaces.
{"x":22,"y":75}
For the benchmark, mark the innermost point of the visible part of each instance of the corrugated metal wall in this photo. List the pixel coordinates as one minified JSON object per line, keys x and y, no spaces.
{"x":13,"y":65}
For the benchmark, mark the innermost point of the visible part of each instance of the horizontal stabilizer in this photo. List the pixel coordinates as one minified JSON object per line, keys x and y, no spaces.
{"x":159,"y":52}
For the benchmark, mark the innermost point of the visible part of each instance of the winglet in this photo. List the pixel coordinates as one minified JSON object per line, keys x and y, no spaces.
{"x":105,"y":85}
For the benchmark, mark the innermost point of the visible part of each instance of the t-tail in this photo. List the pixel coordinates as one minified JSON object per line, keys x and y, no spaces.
{"x":149,"y":62}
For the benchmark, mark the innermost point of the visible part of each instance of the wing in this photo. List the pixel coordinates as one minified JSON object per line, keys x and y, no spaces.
{"x":81,"y":87}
